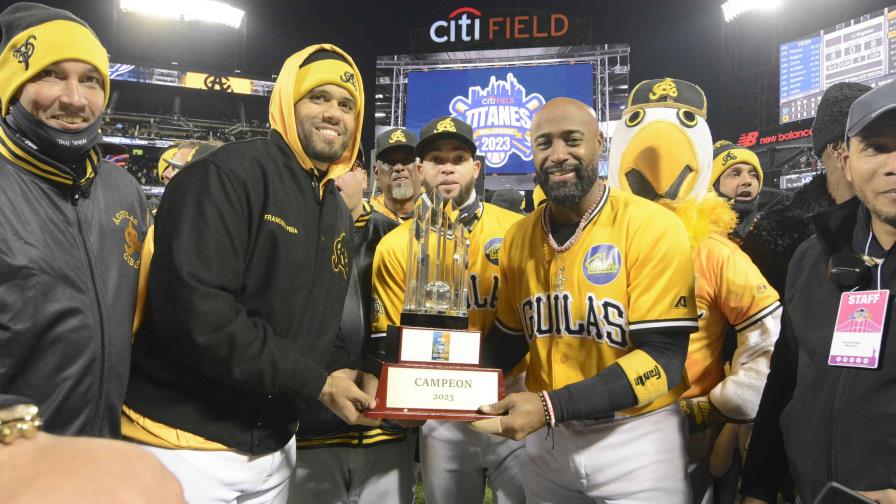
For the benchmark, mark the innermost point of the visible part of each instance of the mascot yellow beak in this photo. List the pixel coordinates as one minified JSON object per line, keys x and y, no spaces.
{"x":660,"y":161}
{"x":661,"y":149}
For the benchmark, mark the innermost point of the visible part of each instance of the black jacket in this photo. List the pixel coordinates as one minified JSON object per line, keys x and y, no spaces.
{"x":779,"y":230}
{"x":245,"y":295}
{"x":69,"y":259}
{"x":836,"y":423}
{"x":317,"y":421}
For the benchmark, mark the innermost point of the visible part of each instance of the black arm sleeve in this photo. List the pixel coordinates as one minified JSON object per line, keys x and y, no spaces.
{"x":609,"y":391}
{"x":766,"y":468}
{"x":503,"y":349}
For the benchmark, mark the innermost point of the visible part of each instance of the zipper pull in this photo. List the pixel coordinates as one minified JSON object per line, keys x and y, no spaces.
{"x":315,"y":184}
{"x":76,"y":192}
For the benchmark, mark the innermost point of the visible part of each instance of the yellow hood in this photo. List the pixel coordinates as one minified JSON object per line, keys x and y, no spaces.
{"x":282,"y":109}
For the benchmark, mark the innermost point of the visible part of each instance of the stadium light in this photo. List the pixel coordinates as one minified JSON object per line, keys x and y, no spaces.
{"x":209,"y":11}
{"x":733,"y":8}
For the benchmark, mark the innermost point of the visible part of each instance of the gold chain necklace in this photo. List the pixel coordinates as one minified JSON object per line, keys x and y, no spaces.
{"x":560,"y":280}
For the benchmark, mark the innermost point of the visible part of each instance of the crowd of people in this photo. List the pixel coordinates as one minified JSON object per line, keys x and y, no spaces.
{"x":661,"y":339}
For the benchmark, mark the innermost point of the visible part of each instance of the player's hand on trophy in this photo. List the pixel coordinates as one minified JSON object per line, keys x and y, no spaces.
{"x":342,"y":395}
{"x":81,"y":470}
{"x":523,"y":415}
{"x":368,"y":383}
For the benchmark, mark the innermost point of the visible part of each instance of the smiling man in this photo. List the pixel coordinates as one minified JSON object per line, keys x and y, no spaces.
{"x":252,"y":249}
{"x":817,"y":371}
{"x":597,"y":287}
{"x":72,"y":227}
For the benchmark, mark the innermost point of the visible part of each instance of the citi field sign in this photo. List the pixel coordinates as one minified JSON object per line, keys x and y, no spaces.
{"x":467,"y":24}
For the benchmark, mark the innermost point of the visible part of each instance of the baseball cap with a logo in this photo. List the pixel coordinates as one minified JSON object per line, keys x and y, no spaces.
{"x":395,"y":137}
{"x":445,"y":127}
{"x":869,"y":107}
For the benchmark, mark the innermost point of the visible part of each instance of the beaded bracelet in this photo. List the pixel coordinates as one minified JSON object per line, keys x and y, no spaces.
{"x":548,"y":409}
{"x":547,"y":399}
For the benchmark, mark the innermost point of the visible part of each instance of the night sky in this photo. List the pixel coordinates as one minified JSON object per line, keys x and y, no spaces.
{"x":687,"y":39}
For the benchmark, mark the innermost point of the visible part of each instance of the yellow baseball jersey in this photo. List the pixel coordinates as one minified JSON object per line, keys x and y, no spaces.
{"x":390,"y":263}
{"x":630,"y":271}
{"x":730,"y":290}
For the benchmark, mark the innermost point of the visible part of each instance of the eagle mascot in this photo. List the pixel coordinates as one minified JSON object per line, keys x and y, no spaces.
{"x":662,"y":150}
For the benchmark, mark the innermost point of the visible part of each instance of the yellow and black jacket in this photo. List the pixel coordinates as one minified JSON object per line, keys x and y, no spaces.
{"x":69,"y":261}
{"x":239,"y":321}
{"x":252,"y":252}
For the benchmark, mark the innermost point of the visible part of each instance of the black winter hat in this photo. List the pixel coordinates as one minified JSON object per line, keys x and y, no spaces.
{"x":832,"y":112}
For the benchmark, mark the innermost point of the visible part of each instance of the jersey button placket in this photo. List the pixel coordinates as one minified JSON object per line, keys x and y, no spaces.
{"x":556,"y":284}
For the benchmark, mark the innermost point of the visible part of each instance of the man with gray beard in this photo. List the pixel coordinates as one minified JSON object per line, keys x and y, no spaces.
{"x":396,"y":173}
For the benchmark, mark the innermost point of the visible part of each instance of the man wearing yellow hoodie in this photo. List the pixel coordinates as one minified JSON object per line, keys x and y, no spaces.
{"x":250,"y":257}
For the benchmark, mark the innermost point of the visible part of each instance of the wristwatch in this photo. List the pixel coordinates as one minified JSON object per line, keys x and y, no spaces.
{"x":19,"y":420}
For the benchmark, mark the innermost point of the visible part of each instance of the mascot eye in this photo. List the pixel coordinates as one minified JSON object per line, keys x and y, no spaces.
{"x":687,"y":118}
{"x":634,"y":118}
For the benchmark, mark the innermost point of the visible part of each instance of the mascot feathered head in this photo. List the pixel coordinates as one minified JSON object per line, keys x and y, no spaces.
{"x":662,"y":147}
{"x":661,"y":150}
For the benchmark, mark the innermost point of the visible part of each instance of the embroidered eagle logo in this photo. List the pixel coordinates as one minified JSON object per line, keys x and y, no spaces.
{"x":339,"y":261}
{"x":24,"y":52}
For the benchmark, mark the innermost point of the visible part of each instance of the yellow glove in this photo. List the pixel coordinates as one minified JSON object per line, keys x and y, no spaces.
{"x":700,"y":413}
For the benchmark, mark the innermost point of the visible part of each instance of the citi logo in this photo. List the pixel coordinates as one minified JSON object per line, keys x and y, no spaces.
{"x":464,"y":24}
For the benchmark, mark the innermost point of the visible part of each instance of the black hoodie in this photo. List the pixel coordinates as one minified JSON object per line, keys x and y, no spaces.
{"x":245,"y":297}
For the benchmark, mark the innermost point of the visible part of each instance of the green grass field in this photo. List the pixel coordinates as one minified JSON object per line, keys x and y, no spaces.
{"x":420,"y":500}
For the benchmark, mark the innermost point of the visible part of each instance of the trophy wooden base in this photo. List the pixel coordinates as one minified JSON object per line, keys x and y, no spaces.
{"x":428,"y":392}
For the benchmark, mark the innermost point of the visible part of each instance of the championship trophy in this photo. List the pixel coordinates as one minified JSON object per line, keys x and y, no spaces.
{"x":430,"y":363}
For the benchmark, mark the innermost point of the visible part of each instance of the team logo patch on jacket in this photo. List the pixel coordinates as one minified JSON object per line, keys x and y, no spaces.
{"x":492,"y":248}
{"x":132,"y":244}
{"x":339,"y":261}
{"x":602,"y":264}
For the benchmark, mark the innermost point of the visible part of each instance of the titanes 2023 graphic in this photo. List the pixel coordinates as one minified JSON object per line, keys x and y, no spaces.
{"x":498,"y":102}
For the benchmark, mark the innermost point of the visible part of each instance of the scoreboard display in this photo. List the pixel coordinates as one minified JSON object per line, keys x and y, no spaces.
{"x":860,"y":50}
